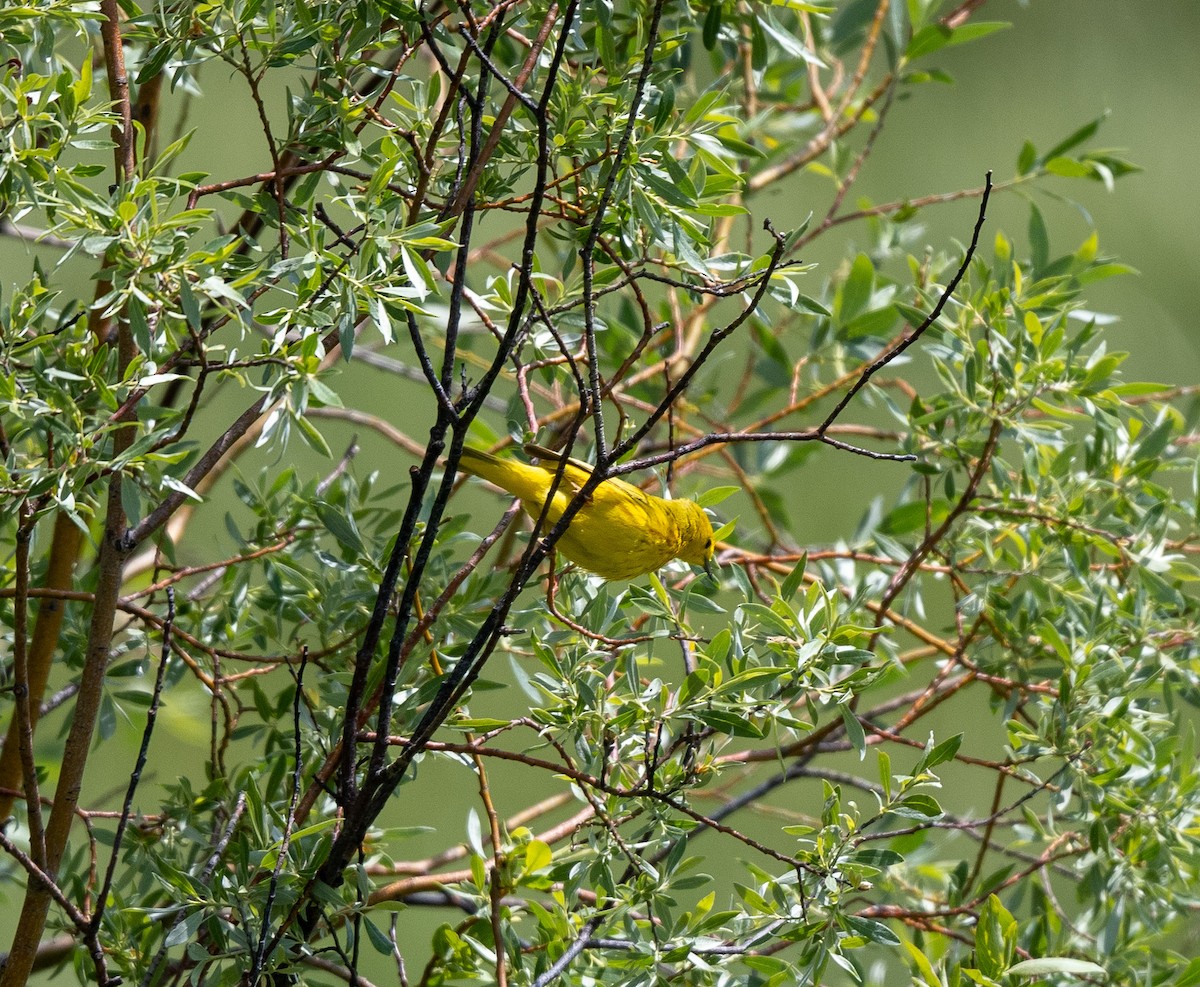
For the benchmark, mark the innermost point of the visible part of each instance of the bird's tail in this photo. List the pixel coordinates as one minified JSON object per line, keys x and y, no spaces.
{"x":524,"y":481}
{"x":482,"y":464}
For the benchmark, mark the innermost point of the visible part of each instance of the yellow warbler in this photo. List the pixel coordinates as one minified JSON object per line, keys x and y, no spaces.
{"x":620,"y":531}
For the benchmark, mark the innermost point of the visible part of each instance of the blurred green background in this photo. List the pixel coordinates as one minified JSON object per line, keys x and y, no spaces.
{"x":1062,"y":63}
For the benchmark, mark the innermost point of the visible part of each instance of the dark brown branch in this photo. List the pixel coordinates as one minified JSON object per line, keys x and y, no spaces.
{"x":890,"y":354}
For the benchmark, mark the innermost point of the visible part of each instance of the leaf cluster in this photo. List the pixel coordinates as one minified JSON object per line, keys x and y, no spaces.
{"x":953,"y":742}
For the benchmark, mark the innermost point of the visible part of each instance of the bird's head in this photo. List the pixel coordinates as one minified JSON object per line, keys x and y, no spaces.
{"x":696,"y":544}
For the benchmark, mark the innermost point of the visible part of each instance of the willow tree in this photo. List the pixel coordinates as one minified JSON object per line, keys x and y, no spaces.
{"x":238,"y":372}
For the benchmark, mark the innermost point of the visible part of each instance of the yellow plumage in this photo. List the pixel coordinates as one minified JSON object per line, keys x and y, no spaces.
{"x":620,"y":532}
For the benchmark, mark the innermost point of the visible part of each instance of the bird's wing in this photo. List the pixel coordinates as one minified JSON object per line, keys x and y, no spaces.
{"x":577,"y":473}
{"x":574,"y":475}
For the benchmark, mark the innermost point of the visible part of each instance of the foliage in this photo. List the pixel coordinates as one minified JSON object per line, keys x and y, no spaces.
{"x":953,"y":742}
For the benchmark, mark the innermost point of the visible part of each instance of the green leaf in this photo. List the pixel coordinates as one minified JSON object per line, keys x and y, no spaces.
{"x":1069,"y":168}
{"x":854,"y":732}
{"x":538,"y":855}
{"x":1026,"y":159}
{"x":934,"y":37}
{"x":1075,"y":138}
{"x":665,"y":189}
{"x":944,"y":751}
{"x":995,"y":938}
{"x":712,"y":26}
{"x":191,"y":308}
{"x":911,"y":314}
{"x":714,"y":495}
{"x":1047,"y":965}
{"x":1153,"y":443}
{"x":383,"y":175}
{"x":856,"y":290}
{"x":872,"y":930}
{"x":379,"y":940}
{"x":742,"y":679}
{"x":312,"y":437}
{"x":1190,"y":976}
{"x":728,"y":722}
{"x":876,"y":857}
{"x":885,"y":774}
{"x":341,"y":525}
{"x":794,"y":578}
{"x":914,"y":516}
{"x":924,"y":968}
{"x":1039,"y":240}
{"x":183,"y":930}
{"x":873,"y":324}
{"x":919,"y":805}
{"x":787,"y":43}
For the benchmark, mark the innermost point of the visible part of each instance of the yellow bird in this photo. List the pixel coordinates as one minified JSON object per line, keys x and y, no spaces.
{"x":620,"y":531}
